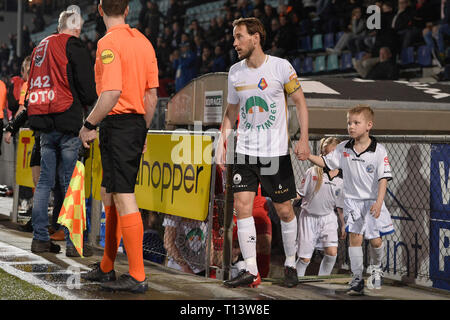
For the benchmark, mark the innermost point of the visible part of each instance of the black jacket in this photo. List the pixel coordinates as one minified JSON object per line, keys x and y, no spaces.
{"x":80,"y":73}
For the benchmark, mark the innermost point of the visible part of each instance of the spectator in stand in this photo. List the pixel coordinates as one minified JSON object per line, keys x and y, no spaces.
{"x":38,"y":19}
{"x":287,"y":34}
{"x":184,"y":66}
{"x":423,"y":18}
{"x":269,"y":14}
{"x":245,"y":8}
{"x":219,"y":64}
{"x":356,"y":32}
{"x":199,"y":44}
{"x":151,"y":19}
{"x":195,"y":29}
{"x":176,"y":34}
{"x":438,"y":32}
{"x":402,"y":22}
{"x":207,"y":61}
{"x":382,"y":67}
{"x":213,"y":33}
{"x":167,"y":35}
{"x":176,"y":12}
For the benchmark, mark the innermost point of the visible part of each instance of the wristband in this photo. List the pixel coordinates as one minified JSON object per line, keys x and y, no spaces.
{"x":89,"y":125}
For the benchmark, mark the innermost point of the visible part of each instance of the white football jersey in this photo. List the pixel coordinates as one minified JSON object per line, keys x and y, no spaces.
{"x":261,"y":95}
{"x":361,"y":171}
{"x":322,"y":202}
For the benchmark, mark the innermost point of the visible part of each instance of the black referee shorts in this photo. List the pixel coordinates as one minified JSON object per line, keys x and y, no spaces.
{"x":274,"y":173}
{"x":35,"y":159}
{"x":122,"y":139}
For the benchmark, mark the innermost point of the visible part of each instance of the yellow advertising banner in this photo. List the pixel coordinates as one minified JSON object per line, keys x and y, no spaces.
{"x":174,"y":175}
{"x":23,"y":169}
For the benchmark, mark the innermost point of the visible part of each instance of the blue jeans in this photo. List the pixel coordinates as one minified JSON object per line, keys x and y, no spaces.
{"x":58,"y":152}
{"x":444,"y":30}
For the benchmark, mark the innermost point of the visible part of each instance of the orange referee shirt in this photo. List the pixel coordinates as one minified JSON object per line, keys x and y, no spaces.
{"x":23,"y":93}
{"x":126,"y":61}
{"x":3,"y":93}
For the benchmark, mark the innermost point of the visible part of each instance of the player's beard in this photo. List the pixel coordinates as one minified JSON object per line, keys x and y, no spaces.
{"x":247,"y":54}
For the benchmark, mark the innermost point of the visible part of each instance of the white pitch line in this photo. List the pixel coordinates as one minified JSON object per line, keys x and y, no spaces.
{"x":28,"y":277}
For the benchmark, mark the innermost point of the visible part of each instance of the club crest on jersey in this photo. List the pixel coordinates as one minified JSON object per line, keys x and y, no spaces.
{"x":40,"y":53}
{"x":237,"y":178}
{"x":262,"y":84}
{"x":370,"y":168}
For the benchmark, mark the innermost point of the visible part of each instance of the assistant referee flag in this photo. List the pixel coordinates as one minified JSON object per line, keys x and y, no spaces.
{"x":73,"y":210}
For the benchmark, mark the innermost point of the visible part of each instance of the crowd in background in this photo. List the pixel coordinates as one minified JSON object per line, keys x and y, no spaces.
{"x":187,"y":49}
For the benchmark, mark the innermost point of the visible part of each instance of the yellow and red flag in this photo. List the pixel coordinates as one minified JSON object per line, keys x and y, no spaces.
{"x":73,"y":210}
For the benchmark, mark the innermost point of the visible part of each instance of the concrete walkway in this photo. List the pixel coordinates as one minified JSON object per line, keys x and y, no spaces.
{"x":60,"y":275}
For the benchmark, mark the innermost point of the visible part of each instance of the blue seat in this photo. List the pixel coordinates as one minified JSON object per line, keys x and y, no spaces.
{"x":424,"y":56}
{"x":328,"y":41}
{"x":346,"y":61}
{"x":296,"y":63}
{"x":407,"y":56}
{"x":359,"y":55}
{"x":305,"y":43}
{"x":332,"y":62}
{"x":339,"y":35}
{"x":307,"y":65}
{"x":319,"y":64}
{"x":317,"y":42}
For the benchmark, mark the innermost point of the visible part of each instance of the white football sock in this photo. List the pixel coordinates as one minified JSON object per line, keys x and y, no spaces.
{"x":247,"y":242}
{"x":301,"y":267}
{"x":327,"y":264}
{"x":289,"y":236}
{"x":356,"y":260}
{"x":377,"y":255}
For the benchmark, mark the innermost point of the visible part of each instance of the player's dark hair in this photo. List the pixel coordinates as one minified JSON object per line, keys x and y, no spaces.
{"x":114,"y":7}
{"x":253,"y":26}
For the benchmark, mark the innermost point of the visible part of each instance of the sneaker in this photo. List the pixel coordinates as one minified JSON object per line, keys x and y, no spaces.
{"x":97,"y":275}
{"x":39,"y":246}
{"x":244,"y":278}
{"x":126,"y":283}
{"x":290,"y":277}
{"x":72,"y":252}
{"x":356,"y":286}
{"x":376,"y":277}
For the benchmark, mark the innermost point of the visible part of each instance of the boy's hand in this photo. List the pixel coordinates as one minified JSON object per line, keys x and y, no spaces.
{"x":343,"y":233}
{"x":375,"y":209}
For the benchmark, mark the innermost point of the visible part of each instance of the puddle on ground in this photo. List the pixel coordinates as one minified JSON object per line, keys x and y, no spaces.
{"x":38,"y":267}
{"x":13,"y":258}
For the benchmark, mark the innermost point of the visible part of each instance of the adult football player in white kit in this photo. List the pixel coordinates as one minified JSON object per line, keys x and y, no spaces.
{"x":257,"y":88}
{"x":321,"y":190}
{"x":366,"y":171}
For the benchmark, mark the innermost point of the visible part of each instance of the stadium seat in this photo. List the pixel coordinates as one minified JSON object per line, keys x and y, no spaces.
{"x":296,"y":63}
{"x":338,"y":36}
{"x":407,"y":56}
{"x":346,"y":61}
{"x":317,"y":42}
{"x":305,"y":43}
{"x":319,"y":64}
{"x":359,"y":55}
{"x":332,"y":62}
{"x":307,"y":66}
{"x":424,"y":56}
{"x":328,"y":40}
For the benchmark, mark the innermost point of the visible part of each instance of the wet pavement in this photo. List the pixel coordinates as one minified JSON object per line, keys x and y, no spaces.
{"x":60,"y":275}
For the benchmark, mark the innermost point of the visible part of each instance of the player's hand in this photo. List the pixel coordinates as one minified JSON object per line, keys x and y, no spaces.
{"x":375,"y":209}
{"x":87,"y":136}
{"x":144,"y":150}
{"x":7,"y":137}
{"x":302,"y":150}
{"x":343,"y":234}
